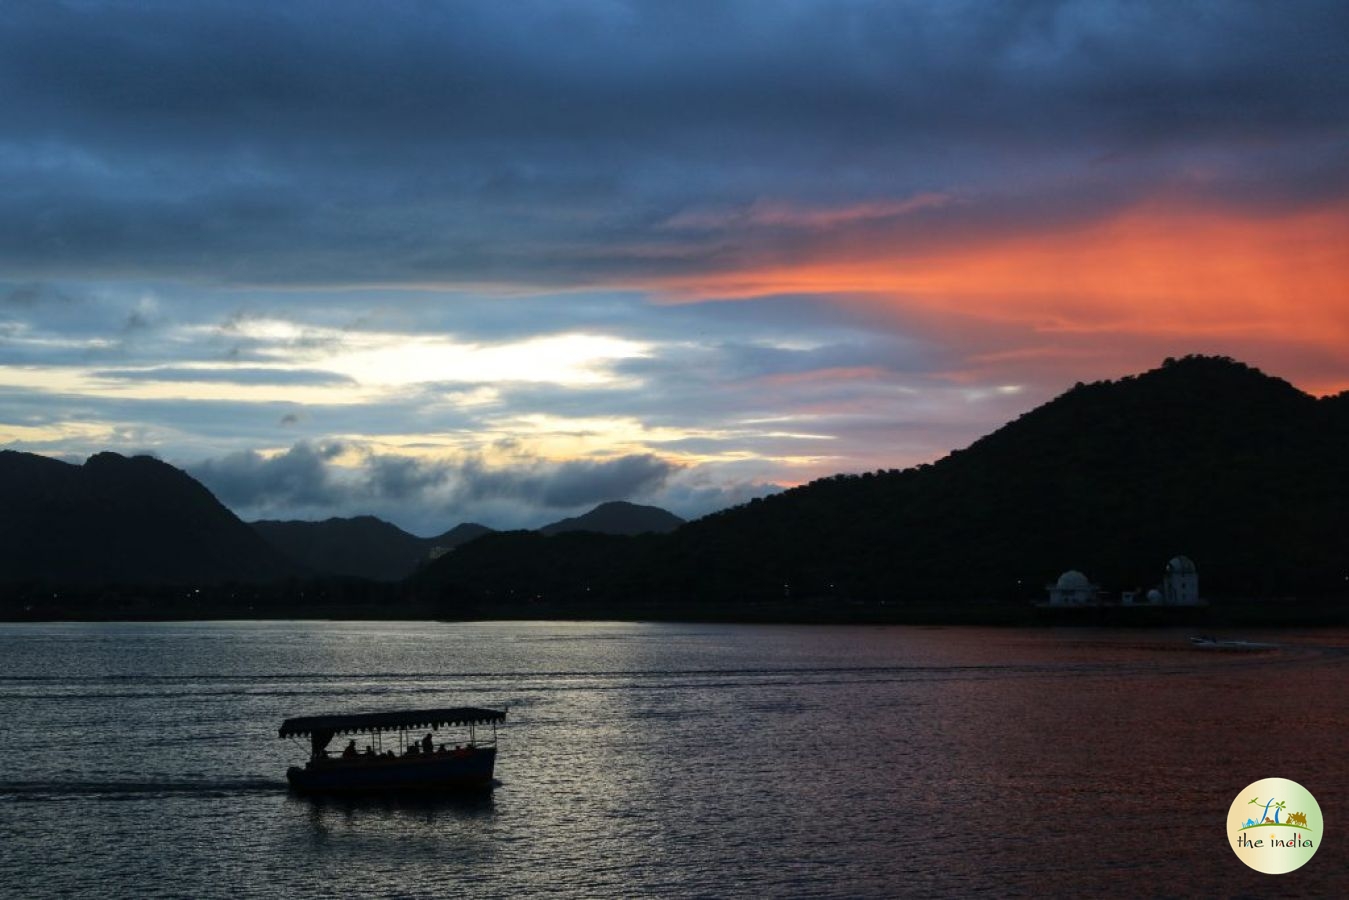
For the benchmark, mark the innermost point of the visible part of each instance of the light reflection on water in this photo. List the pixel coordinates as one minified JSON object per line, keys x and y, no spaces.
{"x":667,"y":760}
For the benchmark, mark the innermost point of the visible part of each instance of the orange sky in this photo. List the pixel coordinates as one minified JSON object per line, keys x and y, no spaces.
{"x":1158,"y":275}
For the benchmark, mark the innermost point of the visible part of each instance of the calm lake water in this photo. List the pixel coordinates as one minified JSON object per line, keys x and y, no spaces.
{"x":668,"y":760}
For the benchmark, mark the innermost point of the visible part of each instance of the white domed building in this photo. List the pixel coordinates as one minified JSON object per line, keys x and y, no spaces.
{"x":1072,"y":589}
{"x":1180,"y":585}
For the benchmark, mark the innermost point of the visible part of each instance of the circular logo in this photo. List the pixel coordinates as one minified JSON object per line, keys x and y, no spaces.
{"x":1274,"y":825}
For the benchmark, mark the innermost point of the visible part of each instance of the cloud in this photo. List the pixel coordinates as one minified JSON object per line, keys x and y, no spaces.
{"x":401,"y":478}
{"x":298,"y":477}
{"x":231,"y":375}
{"x":431,"y":494}
{"x":325,"y":475}
{"x":785,"y":215}
{"x":693,"y":493}
{"x":567,"y":484}
{"x":553,"y":145}
{"x":33,"y":294}
{"x":488,"y":249}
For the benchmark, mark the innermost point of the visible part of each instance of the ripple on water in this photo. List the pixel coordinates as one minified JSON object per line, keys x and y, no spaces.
{"x":657,"y":760}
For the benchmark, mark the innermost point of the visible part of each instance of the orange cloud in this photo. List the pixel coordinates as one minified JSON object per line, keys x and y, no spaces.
{"x":1154,"y":273}
{"x":1159,"y":269}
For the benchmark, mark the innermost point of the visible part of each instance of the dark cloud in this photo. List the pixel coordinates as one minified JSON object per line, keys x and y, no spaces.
{"x":695,"y":496}
{"x":430,"y":495}
{"x":183,"y":431}
{"x":198,"y":192}
{"x":543,"y":143}
{"x":402,"y":478}
{"x":567,"y":484}
{"x":297,"y":478}
{"x":32,"y":295}
{"x":230,"y":375}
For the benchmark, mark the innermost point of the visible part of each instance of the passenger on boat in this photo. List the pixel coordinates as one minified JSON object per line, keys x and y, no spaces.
{"x":427,"y":744}
{"x":350,"y":751}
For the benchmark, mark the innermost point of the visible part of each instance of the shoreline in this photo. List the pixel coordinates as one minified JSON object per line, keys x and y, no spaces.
{"x":1329,"y":613}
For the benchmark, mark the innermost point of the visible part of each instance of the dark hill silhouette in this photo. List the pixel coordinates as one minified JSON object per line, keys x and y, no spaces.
{"x":364,"y":546}
{"x":459,"y":534}
{"x":118,"y":519}
{"x":368,"y":547}
{"x":1203,"y":456}
{"x":618,"y":517}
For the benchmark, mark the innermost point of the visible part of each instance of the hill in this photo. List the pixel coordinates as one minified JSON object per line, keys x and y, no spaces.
{"x":117,"y":519}
{"x":619,"y":517}
{"x":367,"y":547}
{"x":1203,"y":456}
{"x":362,"y":547}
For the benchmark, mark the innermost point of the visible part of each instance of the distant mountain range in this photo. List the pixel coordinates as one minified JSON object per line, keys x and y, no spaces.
{"x":617,"y":517}
{"x":122,"y":520}
{"x":367,"y":547}
{"x":1203,"y":456}
{"x":362,"y":547}
{"x":138,"y":520}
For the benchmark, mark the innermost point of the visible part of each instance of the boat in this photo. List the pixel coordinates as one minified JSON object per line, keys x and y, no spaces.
{"x":1203,"y":642}
{"x":429,"y":763}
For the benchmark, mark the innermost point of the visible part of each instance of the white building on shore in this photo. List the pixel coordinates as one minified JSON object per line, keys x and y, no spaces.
{"x":1072,"y":589}
{"x":1179,"y":587}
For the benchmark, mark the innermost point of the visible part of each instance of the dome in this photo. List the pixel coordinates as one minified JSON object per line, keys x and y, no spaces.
{"x":1181,"y":565}
{"x":1073,"y":580}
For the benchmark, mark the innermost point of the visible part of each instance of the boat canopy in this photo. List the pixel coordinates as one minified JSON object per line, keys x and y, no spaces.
{"x":328,"y":726}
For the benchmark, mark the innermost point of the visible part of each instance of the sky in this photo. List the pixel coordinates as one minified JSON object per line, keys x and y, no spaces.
{"x":500,"y":262}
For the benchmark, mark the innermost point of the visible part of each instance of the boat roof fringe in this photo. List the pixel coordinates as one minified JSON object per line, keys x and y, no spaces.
{"x":390,"y":721}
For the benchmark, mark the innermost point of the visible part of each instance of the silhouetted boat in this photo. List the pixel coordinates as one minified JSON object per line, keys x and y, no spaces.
{"x":1211,"y":643}
{"x":408,"y":765}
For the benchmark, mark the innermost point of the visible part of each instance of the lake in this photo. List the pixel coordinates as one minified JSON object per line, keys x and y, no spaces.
{"x":668,"y":760}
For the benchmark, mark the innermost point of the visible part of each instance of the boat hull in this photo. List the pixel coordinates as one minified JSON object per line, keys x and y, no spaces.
{"x":455,"y":772}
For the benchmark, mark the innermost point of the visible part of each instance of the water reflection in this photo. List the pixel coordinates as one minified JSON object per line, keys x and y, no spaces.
{"x":661,"y":760}
{"x":419,"y":809}
{"x":369,"y":834}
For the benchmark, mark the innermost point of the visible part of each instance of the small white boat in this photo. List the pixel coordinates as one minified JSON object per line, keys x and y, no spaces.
{"x":1212,"y":643}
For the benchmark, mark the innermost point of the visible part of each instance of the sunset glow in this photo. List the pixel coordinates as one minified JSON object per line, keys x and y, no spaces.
{"x":677,"y":255}
{"x":1149,"y":270}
